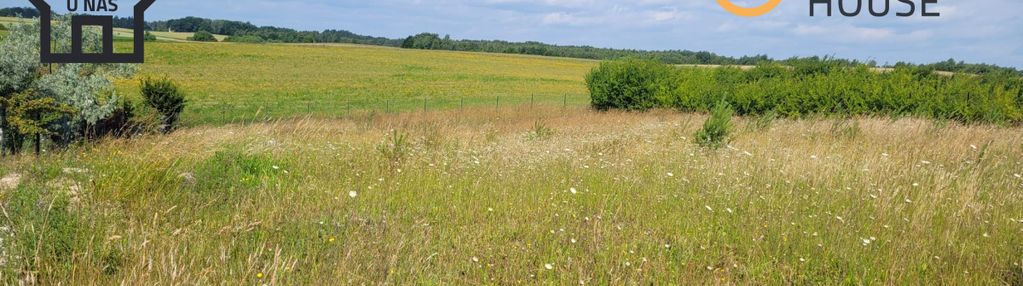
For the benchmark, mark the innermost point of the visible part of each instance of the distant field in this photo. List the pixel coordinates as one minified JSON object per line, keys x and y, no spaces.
{"x":228,"y":82}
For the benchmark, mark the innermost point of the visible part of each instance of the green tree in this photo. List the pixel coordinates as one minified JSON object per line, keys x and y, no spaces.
{"x":87,"y":89}
{"x":202,"y":36}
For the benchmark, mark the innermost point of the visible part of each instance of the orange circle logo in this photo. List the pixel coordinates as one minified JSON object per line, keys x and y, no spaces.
{"x":749,"y":12}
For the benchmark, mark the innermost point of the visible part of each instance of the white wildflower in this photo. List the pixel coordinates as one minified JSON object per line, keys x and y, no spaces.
{"x":353,"y":194}
{"x":549,"y":266}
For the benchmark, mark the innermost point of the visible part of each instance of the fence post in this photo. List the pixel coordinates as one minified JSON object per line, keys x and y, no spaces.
{"x":498,"y":102}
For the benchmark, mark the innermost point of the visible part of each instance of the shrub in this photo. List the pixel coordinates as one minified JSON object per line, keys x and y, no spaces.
{"x":150,"y":37}
{"x":815,"y":87}
{"x":164,"y":96}
{"x":123,"y":123}
{"x":716,"y":130}
{"x":630,"y":84}
{"x":202,"y":36}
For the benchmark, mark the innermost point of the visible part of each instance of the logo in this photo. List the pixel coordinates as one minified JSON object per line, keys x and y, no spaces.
{"x":78,"y":22}
{"x":749,"y":12}
{"x":876,"y":8}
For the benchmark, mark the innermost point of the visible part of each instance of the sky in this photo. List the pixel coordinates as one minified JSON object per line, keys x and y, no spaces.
{"x":979,"y":31}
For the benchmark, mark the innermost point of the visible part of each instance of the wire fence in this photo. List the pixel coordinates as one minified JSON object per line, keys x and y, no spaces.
{"x":272,"y":109}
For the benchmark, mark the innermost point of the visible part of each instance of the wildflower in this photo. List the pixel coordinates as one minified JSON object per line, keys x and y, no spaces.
{"x":1018,"y":176}
{"x":802,"y":259}
{"x":729,"y":210}
{"x":353,"y":194}
{"x":708,"y":208}
{"x":549,"y":266}
{"x":986,"y":235}
{"x":908,"y":201}
{"x":331,"y":239}
{"x":627,"y":264}
{"x":813,"y":157}
{"x":573,"y":191}
{"x":925,"y":162}
{"x":259,"y":275}
{"x":490,"y":209}
{"x":574,"y":241}
{"x":916,"y":184}
{"x":671,"y":174}
{"x":974,"y":147}
{"x":867,"y":241}
{"x":276,"y":168}
{"x":475,"y":259}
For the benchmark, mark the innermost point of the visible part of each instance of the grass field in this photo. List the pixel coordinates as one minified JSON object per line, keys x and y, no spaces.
{"x":525,"y":196}
{"x":363,"y":184}
{"x":229,"y":82}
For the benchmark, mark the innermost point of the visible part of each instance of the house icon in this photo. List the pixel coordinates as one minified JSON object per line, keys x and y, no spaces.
{"x":76,"y":55}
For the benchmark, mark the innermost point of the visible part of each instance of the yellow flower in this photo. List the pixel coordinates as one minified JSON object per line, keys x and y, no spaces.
{"x":331,"y":239}
{"x":259,"y":275}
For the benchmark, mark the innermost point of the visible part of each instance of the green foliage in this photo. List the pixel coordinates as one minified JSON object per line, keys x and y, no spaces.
{"x":150,"y":37}
{"x":3,"y":27}
{"x":123,"y":122}
{"x":244,"y":39}
{"x":203,"y":36}
{"x":716,"y":131}
{"x":827,"y":87}
{"x":164,"y":96}
{"x":52,"y":100}
{"x":630,"y":84}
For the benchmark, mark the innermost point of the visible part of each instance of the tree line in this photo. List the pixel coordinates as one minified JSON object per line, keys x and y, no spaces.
{"x":238,"y":31}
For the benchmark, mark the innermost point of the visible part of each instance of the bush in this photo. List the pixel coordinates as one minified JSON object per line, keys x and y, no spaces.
{"x":716,"y":130}
{"x":203,"y":36}
{"x":629,"y":84}
{"x":124,"y":122}
{"x":814,"y":87}
{"x":150,"y":37}
{"x":164,"y":96}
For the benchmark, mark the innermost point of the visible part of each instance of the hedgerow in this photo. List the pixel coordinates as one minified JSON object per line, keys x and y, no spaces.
{"x":821,"y":87}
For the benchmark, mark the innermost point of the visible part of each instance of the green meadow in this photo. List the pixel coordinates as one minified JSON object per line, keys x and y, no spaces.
{"x":357,"y":165}
{"x":230,"y":82}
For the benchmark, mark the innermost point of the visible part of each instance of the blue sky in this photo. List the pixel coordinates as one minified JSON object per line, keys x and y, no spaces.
{"x":989,"y":31}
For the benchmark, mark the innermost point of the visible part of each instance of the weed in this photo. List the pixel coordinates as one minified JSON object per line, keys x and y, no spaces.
{"x":716,"y":130}
{"x":396,"y":148}
{"x":540,"y":131}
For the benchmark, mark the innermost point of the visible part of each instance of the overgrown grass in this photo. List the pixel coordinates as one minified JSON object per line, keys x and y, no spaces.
{"x":610,"y":198}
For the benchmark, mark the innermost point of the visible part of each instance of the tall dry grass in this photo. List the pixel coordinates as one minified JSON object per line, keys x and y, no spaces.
{"x":525,"y":196}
